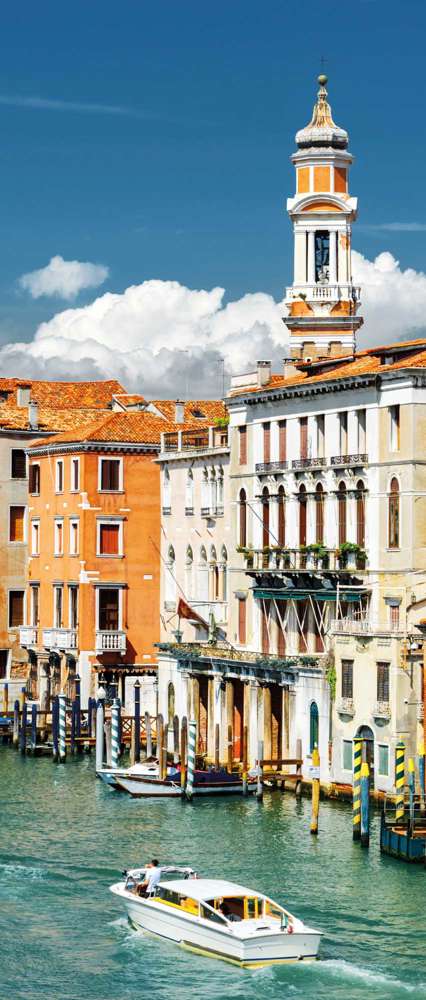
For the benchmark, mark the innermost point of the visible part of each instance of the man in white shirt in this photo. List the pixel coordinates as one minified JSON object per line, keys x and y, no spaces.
{"x":152,"y":878}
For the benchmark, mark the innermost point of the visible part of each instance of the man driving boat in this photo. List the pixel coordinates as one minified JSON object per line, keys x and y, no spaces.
{"x":152,"y":878}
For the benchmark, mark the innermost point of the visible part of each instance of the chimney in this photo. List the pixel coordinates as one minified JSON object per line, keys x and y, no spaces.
{"x":23,"y":395}
{"x":179,"y":411}
{"x":263,"y":372}
{"x":33,"y":415}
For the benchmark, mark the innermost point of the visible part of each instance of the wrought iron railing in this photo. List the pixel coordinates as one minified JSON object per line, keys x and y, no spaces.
{"x":353,"y":460}
{"x":308,"y":463}
{"x":264,"y":467}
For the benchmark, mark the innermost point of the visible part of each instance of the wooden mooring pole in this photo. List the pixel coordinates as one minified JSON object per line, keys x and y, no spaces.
{"x":100,"y":717}
{"x":365,"y":804}
{"x":137,"y":722}
{"x":148,"y":732}
{"x":183,"y":751}
{"x":315,"y":777}
{"x":245,"y":767}
{"x":259,"y":768}
{"x":421,"y":758}
{"x":15,"y":734}
{"x":298,"y":788}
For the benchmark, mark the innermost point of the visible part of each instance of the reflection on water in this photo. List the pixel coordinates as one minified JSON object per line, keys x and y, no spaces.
{"x":65,"y":837}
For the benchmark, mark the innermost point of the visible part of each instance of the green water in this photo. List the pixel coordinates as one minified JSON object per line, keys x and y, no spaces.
{"x":65,"y":837}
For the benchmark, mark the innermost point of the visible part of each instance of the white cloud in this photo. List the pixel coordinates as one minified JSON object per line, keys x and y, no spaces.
{"x":35,"y":103}
{"x":63,"y":278}
{"x":165,"y":340}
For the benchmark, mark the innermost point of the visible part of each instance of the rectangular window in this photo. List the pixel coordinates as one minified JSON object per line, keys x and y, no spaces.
{"x":73,"y":606}
{"x":59,"y":537}
{"x":58,"y":606}
{"x":109,"y":539}
{"x":110,"y":475}
{"x":343,"y":433}
{"x":35,"y":605}
{"x":16,"y":608}
{"x":242,"y":445}
{"x":395,"y":418}
{"x":74,"y":540}
{"x":267,"y":442}
{"x":394,"y":617}
{"x":4,"y":659}
{"x":109,"y":609}
{"x":35,"y":538}
{"x":320,"y":435}
{"x":19,"y":464}
{"x":347,"y":679}
{"x":383,"y":766}
{"x":347,"y":755}
{"x":383,"y":682}
{"x":361,"y":431}
{"x":303,"y":424}
{"x":17,"y":524}
{"x":34,"y":484}
{"x":282,"y":440}
{"x":59,"y":475}
{"x":242,"y":620}
{"x":75,"y":475}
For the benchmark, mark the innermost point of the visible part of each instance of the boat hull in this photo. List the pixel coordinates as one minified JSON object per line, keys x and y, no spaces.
{"x":203,"y":937}
{"x":140,"y":787}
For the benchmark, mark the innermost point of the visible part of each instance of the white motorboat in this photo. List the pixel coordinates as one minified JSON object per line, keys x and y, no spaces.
{"x":146,"y":769}
{"x":209,"y":782}
{"x":217,"y":918}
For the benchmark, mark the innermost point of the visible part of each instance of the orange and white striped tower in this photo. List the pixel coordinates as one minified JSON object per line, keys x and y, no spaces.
{"x":322,"y":301}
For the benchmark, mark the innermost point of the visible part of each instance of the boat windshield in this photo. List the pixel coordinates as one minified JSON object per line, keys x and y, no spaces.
{"x":237,"y":907}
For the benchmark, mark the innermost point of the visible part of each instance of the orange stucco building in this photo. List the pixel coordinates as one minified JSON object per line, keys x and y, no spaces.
{"x":94,"y":554}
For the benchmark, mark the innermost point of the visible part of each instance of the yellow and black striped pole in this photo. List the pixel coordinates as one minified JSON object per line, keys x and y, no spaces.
{"x":399,"y":781}
{"x":356,"y":801}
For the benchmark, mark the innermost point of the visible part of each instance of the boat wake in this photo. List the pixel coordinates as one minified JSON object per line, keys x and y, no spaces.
{"x":26,"y":872}
{"x":339,"y":967}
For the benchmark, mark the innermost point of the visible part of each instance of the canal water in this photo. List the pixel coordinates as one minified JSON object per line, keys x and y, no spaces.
{"x":65,"y":837}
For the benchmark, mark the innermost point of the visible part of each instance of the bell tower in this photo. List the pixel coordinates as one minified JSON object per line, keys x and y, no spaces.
{"x":322,"y":301}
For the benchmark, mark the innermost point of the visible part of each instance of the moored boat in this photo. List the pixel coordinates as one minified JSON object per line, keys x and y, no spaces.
{"x":210,"y":782}
{"x":110,"y":775}
{"x":217,"y":918}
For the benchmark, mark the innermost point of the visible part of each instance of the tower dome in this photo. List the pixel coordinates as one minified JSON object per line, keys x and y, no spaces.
{"x":322,"y":131}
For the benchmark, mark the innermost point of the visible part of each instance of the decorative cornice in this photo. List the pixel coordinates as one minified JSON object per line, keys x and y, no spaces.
{"x":91,"y":446}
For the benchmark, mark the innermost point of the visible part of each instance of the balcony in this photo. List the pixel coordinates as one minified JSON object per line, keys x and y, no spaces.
{"x":28,"y":635}
{"x":166,"y":510}
{"x":218,"y":511}
{"x":189,"y":511}
{"x":324,"y":292}
{"x":110,"y":642}
{"x":206,"y":512}
{"x":219,"y":610}
{"x":382,"y":710}
{"x":283,"y":558}
{"x":345,"y":706}
{"x":363,"y":626}
{"x":196,"y":439}
{"x":354,"y":461}
{"x":59,"y":638}
{"x":299,"y":464}
{"x":263,"y":468}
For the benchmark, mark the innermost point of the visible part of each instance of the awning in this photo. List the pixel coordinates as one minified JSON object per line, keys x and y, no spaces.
{"x":287,"y":594}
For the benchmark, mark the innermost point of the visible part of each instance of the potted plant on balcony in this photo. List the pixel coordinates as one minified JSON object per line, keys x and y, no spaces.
{"x":317,"y":555}
{"x":351,"y":555}
{"x":248,"y":553}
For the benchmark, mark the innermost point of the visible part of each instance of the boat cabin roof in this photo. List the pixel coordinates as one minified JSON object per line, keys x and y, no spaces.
{"x":203,"y":889}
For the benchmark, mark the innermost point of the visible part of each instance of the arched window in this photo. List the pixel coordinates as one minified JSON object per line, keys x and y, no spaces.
{"x":265,"y":517}
{"x":167,"y":496}
{"x":189,"y":492}
{"x":214,"y":575}
{"x":170,"y":582}
{"x":281,"y":515}
{"x":243,"y":519}
{"x":393,"y":514}
{"x":224,"y":569}
{"x":319,"y":513}
{"x":203,"y":576}
{"x":189,"y":566}
{"x":313,"y":726}
{"x":302,"y":515}
{"x":360,"y":514}
{"x":220,"y":491}
{"x":170,"y":704}
{"x":341,"y":504}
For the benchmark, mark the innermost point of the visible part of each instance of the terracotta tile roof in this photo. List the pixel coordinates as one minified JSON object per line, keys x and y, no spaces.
{"x":53,"y":419}
{"x":134,"y":428}
{"x":196,"y":411}
{"x":363,"y":363}
{"x":129,"y":399}
{"x":93,"y":395}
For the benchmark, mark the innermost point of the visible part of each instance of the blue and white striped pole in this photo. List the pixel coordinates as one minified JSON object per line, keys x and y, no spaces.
{"x":115,"y":732}
{"x":100,"y":718}
{"x":55,"y":728}
{"x":62,"y":726}
{"x":192,"y":742}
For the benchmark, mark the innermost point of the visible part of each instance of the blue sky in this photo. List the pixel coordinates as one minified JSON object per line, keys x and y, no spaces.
{"x":154,"y":138}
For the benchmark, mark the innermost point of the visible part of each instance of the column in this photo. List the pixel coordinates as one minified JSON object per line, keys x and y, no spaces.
{"x":211,"y":716}
{"x":252,"y":723}
{"x":311,"y":257}
{"x":332,"y":271}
